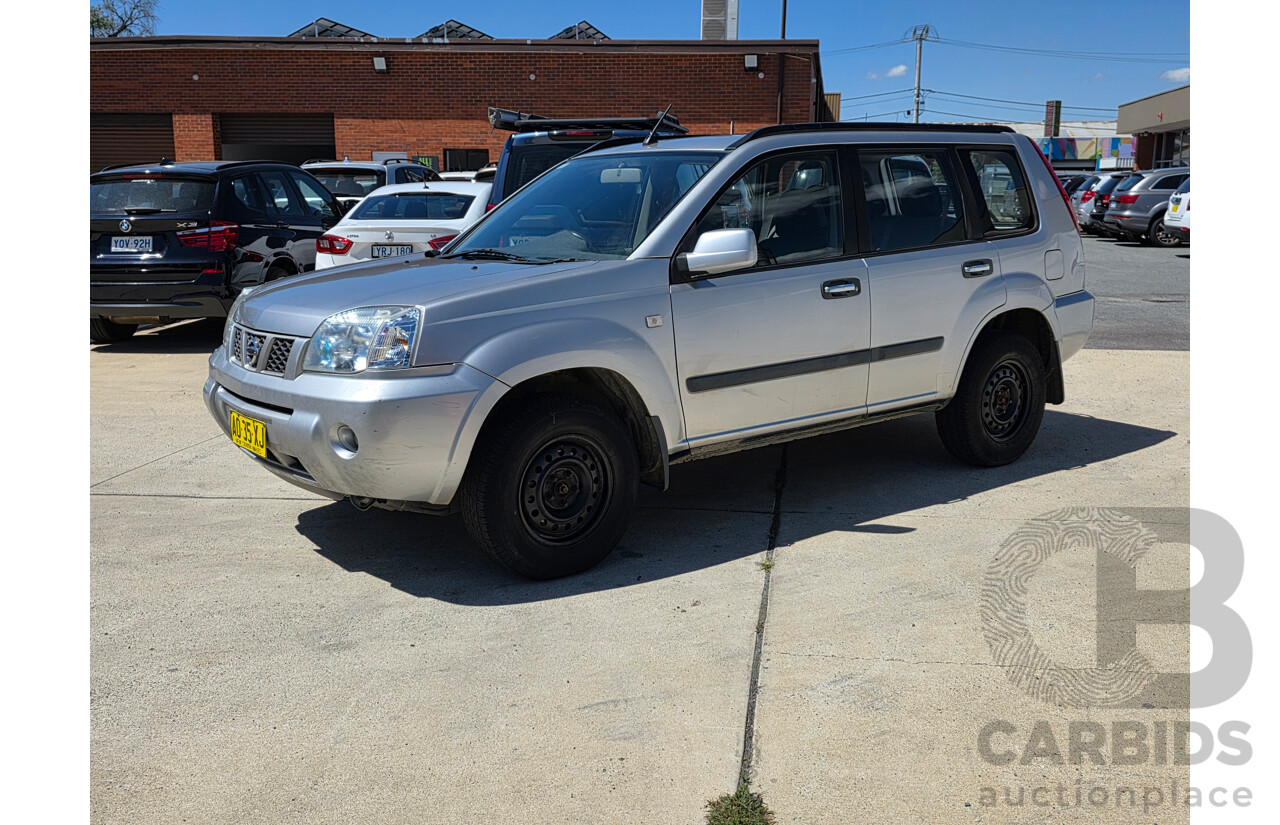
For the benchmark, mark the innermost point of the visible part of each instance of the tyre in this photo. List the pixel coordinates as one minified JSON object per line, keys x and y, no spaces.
{"x":106,"y":331}
{"x":551,"y":487}
{"x":1160,"y":236}
{"x":996,"y":411}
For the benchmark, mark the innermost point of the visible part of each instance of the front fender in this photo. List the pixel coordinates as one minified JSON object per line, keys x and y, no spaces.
{"x":646,"y":359}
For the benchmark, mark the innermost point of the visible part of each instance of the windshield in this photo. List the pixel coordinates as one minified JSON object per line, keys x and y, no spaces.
{"x":1108,"y":184}
{"x":594,"y":207}
{"x":349,"y":183}
{"x":151,"y":194}
{"x":412,"y":206}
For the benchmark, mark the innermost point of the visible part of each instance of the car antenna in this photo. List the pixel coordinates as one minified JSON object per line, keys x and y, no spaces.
{"x":653,"y":135}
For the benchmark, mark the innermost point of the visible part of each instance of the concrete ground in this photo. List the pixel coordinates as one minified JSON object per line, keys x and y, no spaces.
{"x":261,"y":655}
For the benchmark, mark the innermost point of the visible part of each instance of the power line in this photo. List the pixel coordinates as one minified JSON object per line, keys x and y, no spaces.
{"x":878,"y":94}
{"x":862,"y":48}
{"x":895,"y":113}
{"x":1174,"y":57}
{"x":974,"y":117}
{"x":1025,"y":109}
{"x":1019,"y":102}
{"x":855,"y":103}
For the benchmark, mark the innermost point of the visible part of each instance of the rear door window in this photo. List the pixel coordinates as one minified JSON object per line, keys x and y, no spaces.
{"x":281,"y":198}
{"x":248,"y":197}
{"x":913,"y":199}
{"x":1005,"y":204}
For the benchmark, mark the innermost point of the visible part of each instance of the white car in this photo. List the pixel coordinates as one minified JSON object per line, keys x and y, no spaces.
{"x":402,"y":219}
{"x":1178,"y":217}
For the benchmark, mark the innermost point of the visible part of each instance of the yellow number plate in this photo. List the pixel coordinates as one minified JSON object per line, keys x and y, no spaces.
{"x":249,"y":433}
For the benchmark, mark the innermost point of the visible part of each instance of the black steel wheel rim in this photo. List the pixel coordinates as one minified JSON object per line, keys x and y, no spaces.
{"x":1005,"y":400}
{"x":565,"y":489}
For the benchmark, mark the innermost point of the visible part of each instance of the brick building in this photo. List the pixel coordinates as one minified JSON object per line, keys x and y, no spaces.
{"x":292,"y":98}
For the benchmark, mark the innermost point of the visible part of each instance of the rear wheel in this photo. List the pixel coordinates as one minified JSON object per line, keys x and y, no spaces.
{"x":106,"y":331}
{"x":998,"y":406}
{"x":551,"y":487}
{"x":1160,"y":236}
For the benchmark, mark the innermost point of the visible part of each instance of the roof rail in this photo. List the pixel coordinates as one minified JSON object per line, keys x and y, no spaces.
{"x":386,"y":161}
{"x":319,"y":160}
{"x":513,"y":121}
{"x":786,"y":128}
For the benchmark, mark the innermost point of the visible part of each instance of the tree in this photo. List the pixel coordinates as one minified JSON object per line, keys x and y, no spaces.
{"x":123,"y":18}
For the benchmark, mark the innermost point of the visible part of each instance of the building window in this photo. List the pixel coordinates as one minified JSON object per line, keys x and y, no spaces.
{"x":465,"y":160}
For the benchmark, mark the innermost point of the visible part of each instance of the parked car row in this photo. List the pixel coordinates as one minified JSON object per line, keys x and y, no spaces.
{"x":181,"y":240}
{"x":1133,"y":205}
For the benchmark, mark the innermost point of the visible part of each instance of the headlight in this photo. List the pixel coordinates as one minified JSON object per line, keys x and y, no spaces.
{"x":375,"y":338}
{"x":233,"y":316}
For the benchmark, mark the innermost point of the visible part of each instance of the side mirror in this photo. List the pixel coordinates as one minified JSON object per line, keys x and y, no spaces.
{"x":720,"y":250}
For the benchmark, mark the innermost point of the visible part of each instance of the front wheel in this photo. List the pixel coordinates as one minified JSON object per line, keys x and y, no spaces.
{"x":998,"y":406}
{"x":106,"y":331}
{"x":551,"y":487}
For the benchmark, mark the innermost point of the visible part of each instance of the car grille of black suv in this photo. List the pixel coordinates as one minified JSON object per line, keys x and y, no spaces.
{"x":261,"y":352}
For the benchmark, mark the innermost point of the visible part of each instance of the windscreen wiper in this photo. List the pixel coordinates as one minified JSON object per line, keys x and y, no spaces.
{"x":490,"y":255}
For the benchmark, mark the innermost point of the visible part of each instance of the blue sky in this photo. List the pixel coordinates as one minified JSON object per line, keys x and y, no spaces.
{"x":1130,"y":29}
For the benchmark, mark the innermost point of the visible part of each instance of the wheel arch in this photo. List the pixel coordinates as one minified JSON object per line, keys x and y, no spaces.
{"x":1033,"y":325}
{"x":611,"y":390}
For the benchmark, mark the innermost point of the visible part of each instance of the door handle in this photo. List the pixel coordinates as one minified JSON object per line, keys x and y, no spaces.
{"x":842,"y":288}
{"x":976,"y":269}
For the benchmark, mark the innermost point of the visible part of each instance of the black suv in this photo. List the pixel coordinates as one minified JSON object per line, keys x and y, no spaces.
{"x":541,"y":143}
{"x":179,"y":240}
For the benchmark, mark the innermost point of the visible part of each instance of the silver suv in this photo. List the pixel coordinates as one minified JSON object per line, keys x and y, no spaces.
{"x":651,"y":302}
{"x":1139,"y":203}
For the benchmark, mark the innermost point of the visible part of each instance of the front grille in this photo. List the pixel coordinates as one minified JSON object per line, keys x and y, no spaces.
{"x":278,"y":357}
{"x":260,"y":351}
{"x":253,"y":349}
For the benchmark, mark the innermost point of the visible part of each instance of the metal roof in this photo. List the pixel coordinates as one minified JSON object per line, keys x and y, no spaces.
{"x":324,"y":27}
{"x":453,"y":30}
{"x":580,"y":31}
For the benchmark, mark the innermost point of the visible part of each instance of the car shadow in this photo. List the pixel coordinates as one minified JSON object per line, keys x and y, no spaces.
{"x":860,"y":476}
{"x":194,"y":336}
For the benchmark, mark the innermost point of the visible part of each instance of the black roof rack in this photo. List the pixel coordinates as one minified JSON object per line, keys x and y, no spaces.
{"x":513,"y":121}
{"x":786,"y":128}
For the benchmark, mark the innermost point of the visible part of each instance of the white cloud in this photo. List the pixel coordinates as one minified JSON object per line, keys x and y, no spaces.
{"x":1098,"y":76}
{"x":872,"y":76}
{"x":1177,"y":75}
{"x":901,"y":69}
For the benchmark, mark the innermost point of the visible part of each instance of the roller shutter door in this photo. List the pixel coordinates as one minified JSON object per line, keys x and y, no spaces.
{"x":125,"y":138}
{"x":288,"y":137}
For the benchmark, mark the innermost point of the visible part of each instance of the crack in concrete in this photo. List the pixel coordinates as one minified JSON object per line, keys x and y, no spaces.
{"x":942,"y":662}
{"x":154,"y":460}
{"x":753,"y":688}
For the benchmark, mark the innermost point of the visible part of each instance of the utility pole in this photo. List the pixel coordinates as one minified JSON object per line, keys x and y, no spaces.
{"x":918,"y":34}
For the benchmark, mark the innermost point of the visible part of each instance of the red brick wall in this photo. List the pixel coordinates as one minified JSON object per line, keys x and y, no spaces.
{"x":194,"y":137}
{"x":433,"y":97}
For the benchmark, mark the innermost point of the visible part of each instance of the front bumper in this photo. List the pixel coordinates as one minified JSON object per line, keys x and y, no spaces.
{"x":415,"y":428}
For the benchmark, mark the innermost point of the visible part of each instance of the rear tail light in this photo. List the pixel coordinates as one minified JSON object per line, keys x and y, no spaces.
{"x":1087,"y":196}
{"x":1066,"y":199}
{"x":219,"y":236}
{"x":439,"y":243}
{"x":333,"y":244}
{"x":1106,"y":199}
{"x":1127,"y":199}
{"x":490,"y":206}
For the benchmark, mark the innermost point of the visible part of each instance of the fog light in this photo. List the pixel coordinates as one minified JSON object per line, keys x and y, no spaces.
{"x":347,"y":438}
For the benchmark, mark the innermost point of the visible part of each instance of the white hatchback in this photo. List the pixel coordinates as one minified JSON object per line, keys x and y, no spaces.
{"x":402,"y":219}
